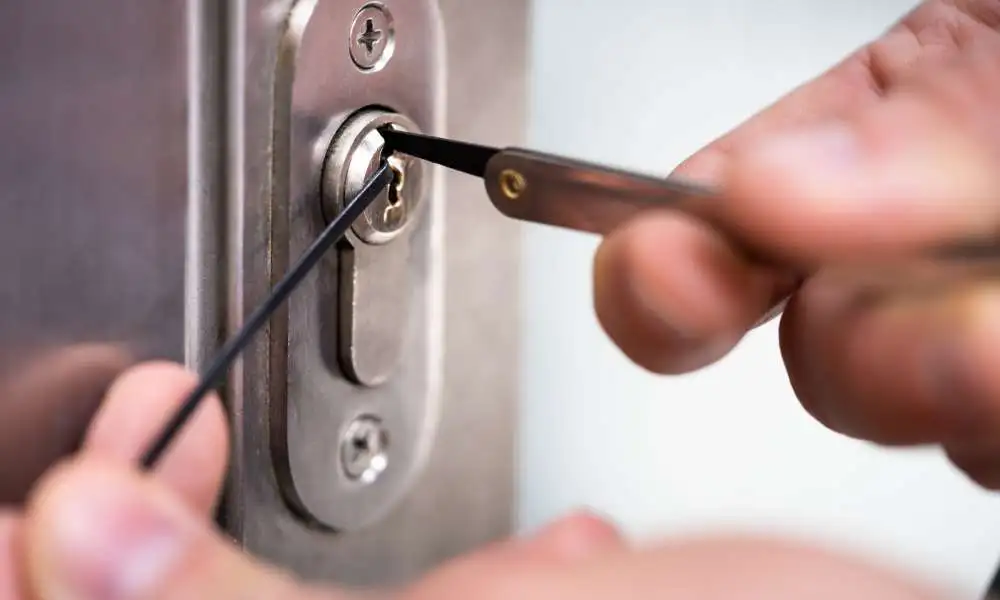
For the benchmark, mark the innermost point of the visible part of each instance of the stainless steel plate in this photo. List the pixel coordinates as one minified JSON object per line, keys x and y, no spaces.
{"x":284,"y":391}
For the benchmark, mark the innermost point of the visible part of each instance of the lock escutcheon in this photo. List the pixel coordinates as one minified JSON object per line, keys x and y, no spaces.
{"x":361,"y":338}
{"x":355,"y":154}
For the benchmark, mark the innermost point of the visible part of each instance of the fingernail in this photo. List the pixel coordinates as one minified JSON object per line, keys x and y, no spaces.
{"x":831,"y":147}
{"x":107,"y":540}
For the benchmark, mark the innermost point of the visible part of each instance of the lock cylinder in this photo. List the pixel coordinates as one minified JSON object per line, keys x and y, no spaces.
{"x":355,"y":154}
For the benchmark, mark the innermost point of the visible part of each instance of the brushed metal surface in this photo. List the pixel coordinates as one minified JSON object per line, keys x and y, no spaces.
{"x":94,"y":165}
{"x":116,"y":117}
{"x":465,"y":496}
{"x":323,"y":84}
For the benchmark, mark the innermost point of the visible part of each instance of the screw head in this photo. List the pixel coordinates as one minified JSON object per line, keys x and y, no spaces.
{"x":373,"y":37}
{"x":364,"y":449}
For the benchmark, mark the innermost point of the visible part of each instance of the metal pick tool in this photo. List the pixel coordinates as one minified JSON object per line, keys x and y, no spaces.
{"x":217,"y":370}
{"x":553,"y":190}
{"x":563,"y":192}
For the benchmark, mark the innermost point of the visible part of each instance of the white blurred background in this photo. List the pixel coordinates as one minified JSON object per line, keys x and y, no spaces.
{"x":643,"y":83}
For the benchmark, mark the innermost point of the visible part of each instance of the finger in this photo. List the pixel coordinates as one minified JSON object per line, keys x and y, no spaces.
{"x":577,"y":537}
{"x":893,"y":369}
{"x":931,"y":54}
{"x":10,"y":577}
{"x":908,"y":173}
{"x":674,"y":296}
{"x":714,"y":569}
{"x":135,"y":410}
{"x":845,"y":87}
{"x":649,"y":274}
{"x":678,"y":346}
{"x":95,"y":531}
{"x":979,"y":460}
{"x":918,"y":46}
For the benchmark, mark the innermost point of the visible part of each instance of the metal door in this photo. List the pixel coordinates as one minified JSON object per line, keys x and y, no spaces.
{"x":152,"y":157}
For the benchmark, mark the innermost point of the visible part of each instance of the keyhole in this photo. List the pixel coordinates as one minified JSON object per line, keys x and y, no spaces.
{"x":395,"y":211}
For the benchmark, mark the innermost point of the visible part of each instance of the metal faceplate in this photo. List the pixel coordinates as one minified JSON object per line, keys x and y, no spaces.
{"x":287,"y":397}
{"x":398,"y":281}
{"x":297,"y":495}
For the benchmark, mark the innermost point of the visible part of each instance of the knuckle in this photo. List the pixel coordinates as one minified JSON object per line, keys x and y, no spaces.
{"x":986,"y":12}
{"x":947,"y":52}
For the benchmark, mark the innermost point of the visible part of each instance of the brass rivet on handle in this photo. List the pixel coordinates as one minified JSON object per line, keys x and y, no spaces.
{"x":512,"y":184}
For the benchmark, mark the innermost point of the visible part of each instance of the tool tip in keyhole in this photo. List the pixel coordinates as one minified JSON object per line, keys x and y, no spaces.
{"x":398,"y":173}
{"x":386,"y":131}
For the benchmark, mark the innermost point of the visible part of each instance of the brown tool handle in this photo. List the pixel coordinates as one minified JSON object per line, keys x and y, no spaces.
{"x":552,"y":190}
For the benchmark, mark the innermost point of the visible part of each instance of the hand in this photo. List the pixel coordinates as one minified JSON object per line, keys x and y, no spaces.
{"x":136,"y":406}
{"x":896,"y":148}
{"x":96,"y":529}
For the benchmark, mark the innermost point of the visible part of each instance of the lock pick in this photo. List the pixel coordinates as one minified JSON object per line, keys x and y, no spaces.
{"x":216,"y":371}
{"x":552,"y":190}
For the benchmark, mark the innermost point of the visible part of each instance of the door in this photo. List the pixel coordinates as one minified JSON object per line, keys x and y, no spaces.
{"x":163,"y":162}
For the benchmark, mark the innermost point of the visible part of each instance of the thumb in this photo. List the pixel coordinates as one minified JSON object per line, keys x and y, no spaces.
{"x":905,"y":173}
{"x":96,"y":532}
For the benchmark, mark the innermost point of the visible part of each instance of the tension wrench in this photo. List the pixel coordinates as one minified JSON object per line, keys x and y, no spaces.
{"x":218,"y":368}
{"x":552,"y":190}
{"x":563,"y":192}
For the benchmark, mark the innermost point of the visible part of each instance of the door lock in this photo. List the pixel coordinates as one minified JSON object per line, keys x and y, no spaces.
{"x":375,"y":260}
{"x":362,"y":379}
{"x":361,"y":343}
{"x":340,"y":404}
{"x":355,"y":153}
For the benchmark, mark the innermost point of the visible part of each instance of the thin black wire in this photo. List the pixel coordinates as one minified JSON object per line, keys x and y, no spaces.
{"x":215,"y":373}
{"x":993,"y":590}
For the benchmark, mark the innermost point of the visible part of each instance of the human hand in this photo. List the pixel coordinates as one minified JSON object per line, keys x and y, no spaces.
{"x":894,"y":149}
{"x":136,"y":405}
{"x":97,"y":529}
